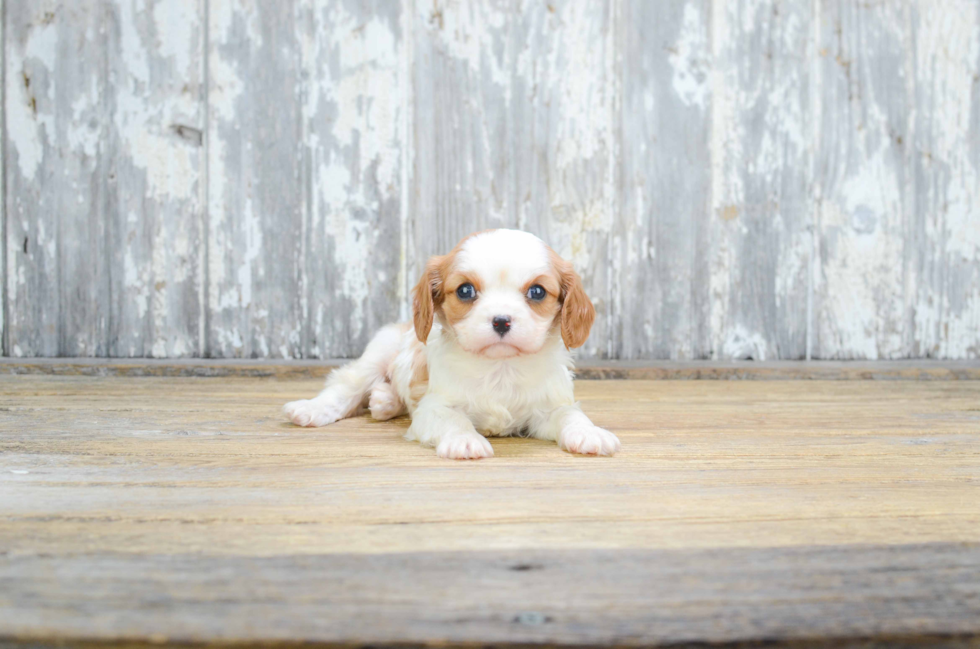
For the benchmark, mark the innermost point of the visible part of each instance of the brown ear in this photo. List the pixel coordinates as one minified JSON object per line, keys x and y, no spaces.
{"x":577,"y":312}
{"x":425,"y":296}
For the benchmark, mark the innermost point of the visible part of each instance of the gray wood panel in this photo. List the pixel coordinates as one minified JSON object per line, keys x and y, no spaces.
{"x":920,"y":595}
{"x":56,"y":165}
{"x":760,"y":249}
{"x":760,"y":179}
{"x":515,"y":127}
{"x":154,"y":213}
{"x":863,"y":181}
{"x":944,"y":226}
{"x":661,"y":235}
{"x":104,"y":166}
{"x":353,"y":116}
{"x":257,"y":205}
{"x":3,"y":193}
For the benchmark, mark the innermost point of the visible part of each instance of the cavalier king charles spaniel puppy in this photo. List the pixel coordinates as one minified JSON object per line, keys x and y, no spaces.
{"x":486,"y":356}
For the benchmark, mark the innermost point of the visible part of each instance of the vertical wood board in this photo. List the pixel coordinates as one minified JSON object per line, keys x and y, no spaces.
{"x":661,"y":233}
{"x":515,"y":127}
{"x":353,"y":105}
{"x":56,"y":163}
{"x":944,"y":228}
{"x":257,"y":239}
{"x":863,"y":182}
{"x":154,"y":214}
{"x":762,"y":141}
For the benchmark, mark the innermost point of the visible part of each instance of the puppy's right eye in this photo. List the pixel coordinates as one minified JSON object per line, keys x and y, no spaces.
{"x":466,"y":292}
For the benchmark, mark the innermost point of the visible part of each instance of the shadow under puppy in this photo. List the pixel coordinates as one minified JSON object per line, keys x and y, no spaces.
{"x":487,"y":354}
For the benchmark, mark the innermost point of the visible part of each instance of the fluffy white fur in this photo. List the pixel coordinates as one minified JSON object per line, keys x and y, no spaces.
{"x":467,"y":382}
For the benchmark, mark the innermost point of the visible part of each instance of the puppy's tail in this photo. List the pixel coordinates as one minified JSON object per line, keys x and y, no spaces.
{"x":348,"y":388}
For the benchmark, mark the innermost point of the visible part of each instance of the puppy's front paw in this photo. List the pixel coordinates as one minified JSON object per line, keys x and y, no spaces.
{"x":464,"y":446}
{"x":310,"y":412}
{"x":588,"y":440}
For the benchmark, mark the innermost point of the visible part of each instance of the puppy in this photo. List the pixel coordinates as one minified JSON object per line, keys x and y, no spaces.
{"x":486,"y":356}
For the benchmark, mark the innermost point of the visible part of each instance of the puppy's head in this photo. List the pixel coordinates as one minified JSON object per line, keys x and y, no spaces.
{"x":501,"y":293}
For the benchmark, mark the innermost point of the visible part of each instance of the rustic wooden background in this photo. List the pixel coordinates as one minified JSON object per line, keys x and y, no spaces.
{"x":264,"y":178}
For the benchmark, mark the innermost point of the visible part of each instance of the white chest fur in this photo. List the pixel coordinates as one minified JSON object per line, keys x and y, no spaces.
{"x":500,"y":396}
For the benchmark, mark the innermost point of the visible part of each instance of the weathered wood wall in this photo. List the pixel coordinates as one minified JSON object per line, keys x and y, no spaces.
{"x":255,"y":178}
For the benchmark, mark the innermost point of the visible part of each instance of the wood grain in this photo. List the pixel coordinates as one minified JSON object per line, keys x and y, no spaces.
{"x":154,"y":212}
{"x":591,"y":370}
{"x":513,"y":110}
{"x":943,"y":272}
{"x":864,"y":182}
{"x":752,"y":179}
{"x":4,"y":302}
{"x":56,"y":164}
{"x":186,"y":510}
{"x":761,"y":234}
{"x":813,"y":596}
{"x":895,"y":277}
{"x":257,"y":206}
{"x":662,"y":292}
{"x":112,"y":462}
{"x":353,"y":119}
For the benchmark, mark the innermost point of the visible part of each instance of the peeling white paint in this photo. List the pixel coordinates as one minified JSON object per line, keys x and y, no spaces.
{"x":741,"y":344}
{"x":357,"y":162}
{"x":176,"y":25}
{"x":862,"y":274}
{"x":472,"y":33}
{"x":690,"y":59}
{"x":29,"y":128}
{"x":877,"y":289}
{"x":726,"y":189}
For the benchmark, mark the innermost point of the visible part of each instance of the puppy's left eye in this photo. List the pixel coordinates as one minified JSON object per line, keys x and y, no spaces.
{"x":466,"y":292}
{"x":536,"y":293}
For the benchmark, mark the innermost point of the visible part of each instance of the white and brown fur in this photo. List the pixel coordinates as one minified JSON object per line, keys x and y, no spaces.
{"x":459,"y":379}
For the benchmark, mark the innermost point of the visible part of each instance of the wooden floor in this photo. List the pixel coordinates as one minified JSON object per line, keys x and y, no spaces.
{"x":185,"y":510}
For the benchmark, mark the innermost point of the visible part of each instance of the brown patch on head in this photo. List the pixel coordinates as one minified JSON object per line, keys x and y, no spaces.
{"x":436,"y":284}
{"x":577,"y":312}
{"x":454,"y":308}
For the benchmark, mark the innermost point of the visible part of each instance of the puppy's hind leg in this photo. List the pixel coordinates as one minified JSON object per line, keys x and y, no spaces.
{"x":348,"y":388}
{"x":385,"y":403}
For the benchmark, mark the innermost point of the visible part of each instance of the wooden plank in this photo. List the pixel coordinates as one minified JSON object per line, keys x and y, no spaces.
{"x":662,"y":239}
{"x":353,"y":111}
{"x":514,"y":120}
{"x":776,"y":512}
{"x":943,"y":265}
{"x":154,"y":212}
{"x":4,"y":343}
{"x":462,"y":66}
{"x":863,"y":182}
{"x":171,"y":466}
{"x":779,"y":597}
{"x":761,"y":164}
{"x":562,"y":139}
{"x":257,"y":198}
{"x":56,"y":168}
{"x":917,"y":370}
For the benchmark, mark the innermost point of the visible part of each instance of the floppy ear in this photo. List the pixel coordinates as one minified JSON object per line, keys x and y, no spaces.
{"x":577,"y":312}
{"x":426,"y":294}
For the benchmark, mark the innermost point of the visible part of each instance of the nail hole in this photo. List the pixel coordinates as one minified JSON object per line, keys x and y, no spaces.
{"x":531,"y":618}
{"x":524,"y":567}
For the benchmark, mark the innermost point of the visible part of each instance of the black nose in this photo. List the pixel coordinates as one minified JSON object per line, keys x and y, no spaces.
{"x":501,"y":324}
